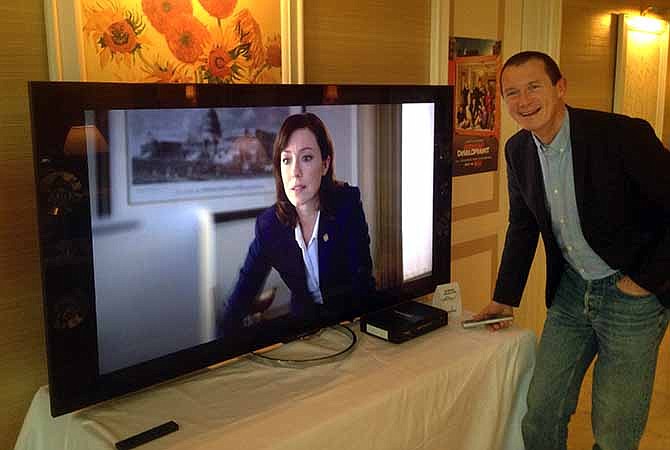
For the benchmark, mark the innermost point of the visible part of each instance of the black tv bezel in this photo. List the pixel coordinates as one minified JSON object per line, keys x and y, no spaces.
{"x":72,"y":359}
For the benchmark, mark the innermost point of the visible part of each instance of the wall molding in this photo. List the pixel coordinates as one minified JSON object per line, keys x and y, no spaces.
{"x":292,"y":37}
{"x":541,"y":30}
{"x":440,"y":12}
{"x":483,"y":207}
{"x":477,"y":246}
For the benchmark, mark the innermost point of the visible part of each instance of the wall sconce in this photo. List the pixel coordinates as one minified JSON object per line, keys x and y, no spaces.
{"x":646,"y":24}
{"x":80,"y":138}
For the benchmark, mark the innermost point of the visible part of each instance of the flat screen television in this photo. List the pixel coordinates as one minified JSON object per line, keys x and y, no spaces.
{"x":147,"y":200}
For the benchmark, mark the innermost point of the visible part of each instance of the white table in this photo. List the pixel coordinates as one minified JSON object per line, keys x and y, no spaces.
{"x":450,"y":389}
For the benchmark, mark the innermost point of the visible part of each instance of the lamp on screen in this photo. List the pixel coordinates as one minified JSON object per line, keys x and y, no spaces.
{"x":80,"y":137}
{"x":83,"y":140}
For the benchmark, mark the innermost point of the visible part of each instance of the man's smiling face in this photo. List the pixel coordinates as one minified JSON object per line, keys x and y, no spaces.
{"x":532,"y":100}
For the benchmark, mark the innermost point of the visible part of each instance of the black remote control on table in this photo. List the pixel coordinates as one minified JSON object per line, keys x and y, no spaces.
{"x":147,"y":436}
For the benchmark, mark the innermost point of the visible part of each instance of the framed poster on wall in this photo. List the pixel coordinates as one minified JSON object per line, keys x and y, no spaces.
{"x":474,"y":67}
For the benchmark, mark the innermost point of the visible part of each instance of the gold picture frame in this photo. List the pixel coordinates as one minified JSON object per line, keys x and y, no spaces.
{"x":197,"y":41}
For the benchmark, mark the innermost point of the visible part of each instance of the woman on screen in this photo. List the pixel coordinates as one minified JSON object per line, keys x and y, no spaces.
{"x":315,"y":235}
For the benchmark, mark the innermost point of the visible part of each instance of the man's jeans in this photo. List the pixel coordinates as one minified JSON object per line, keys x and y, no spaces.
{"x":589,"y":318}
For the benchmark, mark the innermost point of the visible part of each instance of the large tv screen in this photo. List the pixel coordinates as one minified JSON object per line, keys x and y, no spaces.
{"x":182,"y":225}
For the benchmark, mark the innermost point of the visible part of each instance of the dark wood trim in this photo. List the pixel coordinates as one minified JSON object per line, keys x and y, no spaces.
{"x":238,"y":215}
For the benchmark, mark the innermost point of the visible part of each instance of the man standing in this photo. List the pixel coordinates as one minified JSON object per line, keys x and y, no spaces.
{"x":596,"y":186}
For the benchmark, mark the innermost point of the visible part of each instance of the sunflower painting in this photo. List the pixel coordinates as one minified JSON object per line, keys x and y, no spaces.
{"x":183,"y":41}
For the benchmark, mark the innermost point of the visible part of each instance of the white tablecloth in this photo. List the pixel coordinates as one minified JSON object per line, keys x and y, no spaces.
{"x":450,"y":389}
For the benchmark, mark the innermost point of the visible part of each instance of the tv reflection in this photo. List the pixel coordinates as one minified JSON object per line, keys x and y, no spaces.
{"x":315,"y":236}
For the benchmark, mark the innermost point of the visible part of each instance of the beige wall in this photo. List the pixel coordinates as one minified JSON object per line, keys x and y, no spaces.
{"x":588,"y":47}
{"x":479,"y":200}
{"x":371,"y":41}
{"x":22,"y":365}
{"x":588,"y":52}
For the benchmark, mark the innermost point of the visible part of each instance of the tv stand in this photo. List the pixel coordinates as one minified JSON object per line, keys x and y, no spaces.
{"x":455,"y":388}
{"x":324,"y":346}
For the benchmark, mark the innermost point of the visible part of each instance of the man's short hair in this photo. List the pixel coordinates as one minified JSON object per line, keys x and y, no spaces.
{"x":550,"y":66}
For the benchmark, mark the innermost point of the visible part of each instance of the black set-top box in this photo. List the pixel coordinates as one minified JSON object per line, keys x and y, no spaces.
{"x":403,"y":321}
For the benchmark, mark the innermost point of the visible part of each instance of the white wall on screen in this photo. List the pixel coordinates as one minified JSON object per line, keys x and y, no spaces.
{"x":342,"y":123}
{"x":417,"y":188}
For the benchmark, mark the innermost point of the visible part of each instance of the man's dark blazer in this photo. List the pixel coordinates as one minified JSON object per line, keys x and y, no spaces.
{"x":622,"y":186}
{"x":345,"y":265}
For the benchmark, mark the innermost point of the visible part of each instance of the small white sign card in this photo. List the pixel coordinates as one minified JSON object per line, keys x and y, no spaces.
{"x":448,"y":297}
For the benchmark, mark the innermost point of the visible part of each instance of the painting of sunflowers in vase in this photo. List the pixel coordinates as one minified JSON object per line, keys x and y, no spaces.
{"x":181,"y":41}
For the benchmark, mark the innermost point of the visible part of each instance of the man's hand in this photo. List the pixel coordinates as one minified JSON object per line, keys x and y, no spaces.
{"x":495,"y":308}
{"x":630,"y":287}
